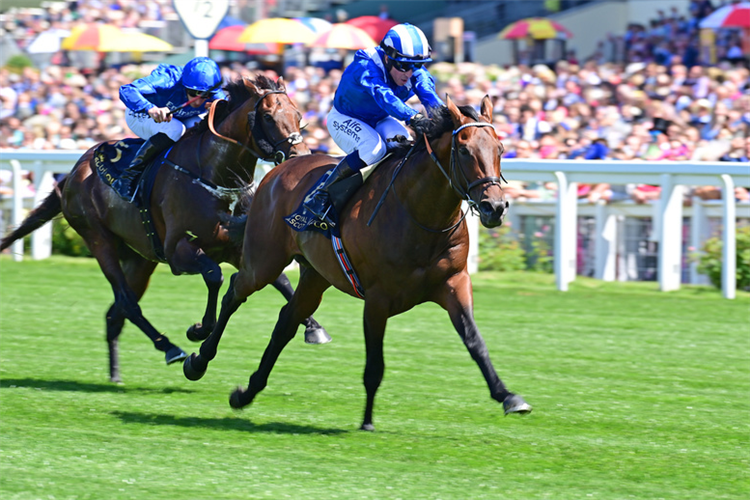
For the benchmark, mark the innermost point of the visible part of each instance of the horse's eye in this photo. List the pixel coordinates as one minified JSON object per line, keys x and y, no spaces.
{"x":268,"y":117}
{"x":463,"y":150}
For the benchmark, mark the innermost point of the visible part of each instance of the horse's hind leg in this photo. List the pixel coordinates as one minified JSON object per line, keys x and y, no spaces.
{"x":456,"y":299}
{"x":314,"y":333}
{"x":375,"y":319}
{"x":303,"y":303}
{"x":104,"y":248}
{"x":137,"y":272}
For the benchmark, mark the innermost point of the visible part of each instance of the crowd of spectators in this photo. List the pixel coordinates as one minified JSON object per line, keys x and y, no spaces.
{"x":664,"y":102}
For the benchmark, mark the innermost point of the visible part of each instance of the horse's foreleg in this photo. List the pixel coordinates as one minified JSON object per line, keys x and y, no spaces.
{"x":195,"y":365}
{"x":457,"y":300}
{"x":190,"y":259}
{"x":314,"y":333}
{"x":302,"y":304}
{"x":375,"y":319}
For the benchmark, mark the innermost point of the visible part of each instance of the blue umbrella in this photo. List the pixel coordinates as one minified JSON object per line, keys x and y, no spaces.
{"x":230,"y":21}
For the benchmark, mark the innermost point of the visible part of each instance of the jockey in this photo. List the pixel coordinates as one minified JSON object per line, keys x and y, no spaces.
{"x":369,"y":107}
{"x":162,"y":105}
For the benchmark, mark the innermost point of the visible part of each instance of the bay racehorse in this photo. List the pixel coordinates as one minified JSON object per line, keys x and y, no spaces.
{"x":206,"y":171}
{"x":414,"y":251}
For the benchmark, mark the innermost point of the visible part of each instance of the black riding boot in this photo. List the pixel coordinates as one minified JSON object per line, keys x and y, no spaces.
{"x":318,"y":203}
{"x":146,"y":153}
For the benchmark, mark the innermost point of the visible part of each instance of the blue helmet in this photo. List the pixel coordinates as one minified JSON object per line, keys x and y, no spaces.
{"x":201,"y":74}
{"x":406,"y":43}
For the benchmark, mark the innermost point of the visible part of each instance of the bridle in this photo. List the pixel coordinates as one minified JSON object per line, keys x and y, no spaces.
{"x":278,"y":156}
{"x":463,"y":192}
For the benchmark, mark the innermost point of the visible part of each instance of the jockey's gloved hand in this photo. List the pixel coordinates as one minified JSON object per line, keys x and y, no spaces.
{"x":419,"y":123}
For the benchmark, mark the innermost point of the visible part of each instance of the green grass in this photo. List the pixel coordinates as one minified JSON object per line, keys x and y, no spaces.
{"x":637,"y":394}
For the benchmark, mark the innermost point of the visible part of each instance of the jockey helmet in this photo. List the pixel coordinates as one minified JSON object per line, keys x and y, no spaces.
{"x":406,"y":43}
{"x":201,"y":74}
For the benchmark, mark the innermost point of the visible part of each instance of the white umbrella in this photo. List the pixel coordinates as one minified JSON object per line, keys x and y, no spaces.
{"x":47,"y":42}
{"x":729,"y":16}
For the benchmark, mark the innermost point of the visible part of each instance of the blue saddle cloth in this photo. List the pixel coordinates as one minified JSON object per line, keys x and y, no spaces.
{"x":302,"y":220}
{"x":111,"y":160}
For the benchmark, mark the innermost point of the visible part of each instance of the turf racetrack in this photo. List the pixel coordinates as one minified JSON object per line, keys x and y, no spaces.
{"x":636,"y":394}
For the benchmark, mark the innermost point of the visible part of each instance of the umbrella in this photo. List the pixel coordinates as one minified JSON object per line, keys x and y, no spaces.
{"x":110,"y":38}
{"x":277,"y":30}
{"x":537,"y":28}
{"x":729,"y":16}
{"x":89,"y":36}
{"x":373,"y":25}
{"x":47,"y":42}
{"x":226,"y":39}
{"x":316,"y":24}
{"x":230,"y":21}
{"x":344,"y":36}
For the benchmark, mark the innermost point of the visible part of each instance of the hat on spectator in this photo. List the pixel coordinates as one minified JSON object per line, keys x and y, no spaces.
{"x":635,"y":67}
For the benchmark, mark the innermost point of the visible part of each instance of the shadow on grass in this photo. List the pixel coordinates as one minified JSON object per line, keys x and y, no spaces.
{"x":73,"y":386}
{"x":226,"y":423}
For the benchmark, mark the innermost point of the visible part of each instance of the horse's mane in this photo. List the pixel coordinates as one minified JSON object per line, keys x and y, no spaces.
{"x":440,"y":123}
{"x":237,"y":94}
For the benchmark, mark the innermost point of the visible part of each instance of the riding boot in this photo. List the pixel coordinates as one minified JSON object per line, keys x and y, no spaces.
{"x":148,"y":150}
{"x":318,"y":203}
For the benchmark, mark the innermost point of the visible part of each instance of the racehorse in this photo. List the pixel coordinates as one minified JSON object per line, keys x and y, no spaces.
{"x":206,"y":170}
{"x":414,"y":251}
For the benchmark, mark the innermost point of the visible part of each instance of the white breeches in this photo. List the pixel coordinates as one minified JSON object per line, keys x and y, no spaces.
{"x":145,"y":127}
{"x":351,"y":134}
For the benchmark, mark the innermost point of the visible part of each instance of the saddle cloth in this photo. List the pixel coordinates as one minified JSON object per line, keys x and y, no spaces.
{"x":111,"y":161}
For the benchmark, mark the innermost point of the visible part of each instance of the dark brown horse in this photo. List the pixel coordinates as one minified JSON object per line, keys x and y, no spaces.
{"x":414,"y":251}
{"x":190,"y":203}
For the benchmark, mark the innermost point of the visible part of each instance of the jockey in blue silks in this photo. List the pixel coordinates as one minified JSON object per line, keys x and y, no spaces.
{"x":369,"y":107}
{"x":157,"y":109}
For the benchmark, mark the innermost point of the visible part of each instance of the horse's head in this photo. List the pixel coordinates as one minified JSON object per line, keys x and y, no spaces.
{"x":474,"y":170}
{"x":274,"y":121}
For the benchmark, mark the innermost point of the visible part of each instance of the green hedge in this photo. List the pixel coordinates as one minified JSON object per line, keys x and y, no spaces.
{"x":710,"y":259}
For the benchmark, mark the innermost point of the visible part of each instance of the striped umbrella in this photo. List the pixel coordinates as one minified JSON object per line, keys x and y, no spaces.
{"x":277,"y":30}
{"x":344,"y":36}
{"x":730,"y":16}
{"x":537,"y":28}
{"x":90,"y":36}
{"x":375,"y":26}
{"x":226,"y":39}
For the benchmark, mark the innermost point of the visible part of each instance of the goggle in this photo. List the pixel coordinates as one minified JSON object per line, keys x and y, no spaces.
{"x":195,"y":93}
{"x":404,"y":66}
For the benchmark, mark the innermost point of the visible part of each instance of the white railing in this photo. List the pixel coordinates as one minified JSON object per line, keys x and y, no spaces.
{"x":667,"y":211}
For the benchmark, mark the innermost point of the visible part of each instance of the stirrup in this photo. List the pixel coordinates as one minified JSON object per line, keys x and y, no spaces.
{"x":327,"y":219}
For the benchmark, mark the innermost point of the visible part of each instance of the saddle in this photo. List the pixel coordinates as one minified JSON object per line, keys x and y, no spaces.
{"x":340,"y":193}
{"x":111,"y":160}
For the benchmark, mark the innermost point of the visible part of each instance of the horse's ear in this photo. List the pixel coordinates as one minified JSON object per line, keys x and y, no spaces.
{"x":455,"y":113}
{"x":487,"y":108}
{"x":281,"y":85}
{"x":251,"y":86}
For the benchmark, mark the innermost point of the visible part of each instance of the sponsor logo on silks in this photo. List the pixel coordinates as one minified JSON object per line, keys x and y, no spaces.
{"x":349,"y":127}
{"x":99,"y":161}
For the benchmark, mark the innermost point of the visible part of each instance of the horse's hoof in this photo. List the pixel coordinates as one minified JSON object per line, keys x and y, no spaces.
{"x":115,"y":380}
{"x":196,"y":333}
{"x":235,"y":399}
{"x":516,"y":404}
{"x":175,"y":354}
{"x":367,"y":427}
{"x":190,"y":370}
{"x":316,"y":336}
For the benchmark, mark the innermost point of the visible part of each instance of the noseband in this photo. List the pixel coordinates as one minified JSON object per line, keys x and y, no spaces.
{"x":462,"y":192}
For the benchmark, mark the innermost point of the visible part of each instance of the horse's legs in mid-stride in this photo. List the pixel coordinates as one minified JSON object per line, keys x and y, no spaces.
{"x":457,"y":300}
{"x":314,"y":333}
{"x":137,"y":271}
{"x":104,"y":248}
{"x":190,"y":259}
{"x":375,"y":319}
{"x":303,"y":303}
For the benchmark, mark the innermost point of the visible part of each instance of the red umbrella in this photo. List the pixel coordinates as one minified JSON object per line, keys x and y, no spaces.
{"x":373,"y":25}
{"x":729,"y":16}
{"x":344,"y":36}
{"x":226,"y":39}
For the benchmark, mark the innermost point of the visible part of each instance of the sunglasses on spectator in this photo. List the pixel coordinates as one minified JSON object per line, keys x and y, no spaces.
{"x":404,"y":66}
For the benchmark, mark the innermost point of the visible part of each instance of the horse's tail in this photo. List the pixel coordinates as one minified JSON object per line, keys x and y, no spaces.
{"x":45,"y":212}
